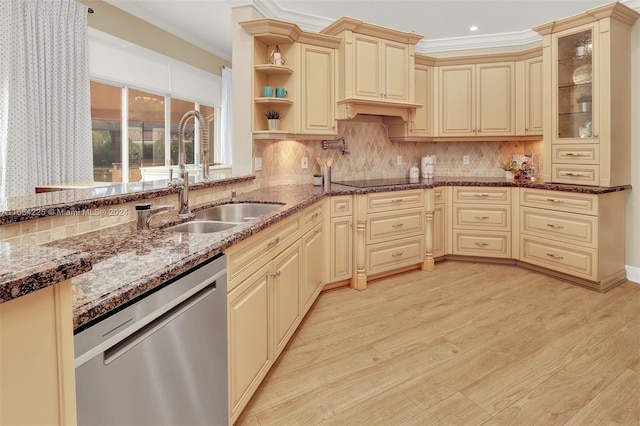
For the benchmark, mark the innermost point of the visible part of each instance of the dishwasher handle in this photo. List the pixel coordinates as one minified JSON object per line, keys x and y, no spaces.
{"x":123,"y":346}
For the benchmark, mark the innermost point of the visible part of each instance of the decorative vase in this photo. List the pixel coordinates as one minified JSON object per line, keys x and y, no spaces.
{"x":317,"y":181}
{"x":508,"y":174}
{"x":273,"y":123}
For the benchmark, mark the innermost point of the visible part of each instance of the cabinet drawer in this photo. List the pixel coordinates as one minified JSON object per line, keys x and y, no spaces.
{"x":389,"y":226}
{"x":482,"y":217}
{"x":559,"y":200}
{"x":392,"y":255}
{"x":566,"y":258}
{"x":311,"y":216}
{"x":575,"y":174}
{"x":576,"y":154}
{"x":440,"y":195}
{"x":243,"y":258}
{"x":560,"y":226}
{"x":481,"y":243}
{"x":484,"y":195}
{"x":385,"y":201}
{"x":341,"y":206}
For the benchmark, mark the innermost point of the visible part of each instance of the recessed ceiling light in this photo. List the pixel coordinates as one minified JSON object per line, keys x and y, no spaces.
{"x":473,"y":28}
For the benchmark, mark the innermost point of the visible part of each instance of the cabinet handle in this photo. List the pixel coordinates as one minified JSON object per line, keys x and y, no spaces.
{"x":275,"y":274}
{"x":397,"y":254}
{"x":315,"y":215}
{"x":481,"y":195}
{"x":574,"y":154}
{"x":481,"y":244}
{"x":273,"y":242}
{"x":341,"y":206}
{"x":526,"y":129}
{"x":551,"y":225}
{"x":554,"y":200}
{"x":481,"y":217}
{"x":317,"y":231}
{"x":397,"y":225}
{"x":397,"y":200}
{"x":595,"y":136}
{"x":555,"y":256}
{"x":576,"y":174}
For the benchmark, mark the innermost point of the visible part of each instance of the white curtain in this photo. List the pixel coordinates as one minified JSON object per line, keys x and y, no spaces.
{"x":226,"y":135}
{"x":45,"y":107}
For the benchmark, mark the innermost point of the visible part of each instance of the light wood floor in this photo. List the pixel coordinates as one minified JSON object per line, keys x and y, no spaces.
{"x":469,"y":344}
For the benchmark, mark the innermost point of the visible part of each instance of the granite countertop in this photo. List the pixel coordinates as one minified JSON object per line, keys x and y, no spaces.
{"x":127,"y":263}
{"x":25,"y":269}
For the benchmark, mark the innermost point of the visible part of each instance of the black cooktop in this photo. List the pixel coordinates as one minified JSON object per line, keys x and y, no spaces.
{"x":370,"y":183}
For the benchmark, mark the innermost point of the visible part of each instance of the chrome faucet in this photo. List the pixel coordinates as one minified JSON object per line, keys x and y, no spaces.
{"x":146,"y":212}
{"x":204,"y":143}
{"x":182,"y":182}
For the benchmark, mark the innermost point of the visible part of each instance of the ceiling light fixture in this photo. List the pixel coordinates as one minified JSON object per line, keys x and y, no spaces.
{"x":473,"y":28}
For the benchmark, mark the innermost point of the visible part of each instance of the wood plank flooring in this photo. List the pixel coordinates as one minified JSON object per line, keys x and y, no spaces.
{"x":471,"y":344}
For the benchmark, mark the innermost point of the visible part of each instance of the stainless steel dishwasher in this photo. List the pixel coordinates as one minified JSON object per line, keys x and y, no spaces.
{"x":161,"y":360}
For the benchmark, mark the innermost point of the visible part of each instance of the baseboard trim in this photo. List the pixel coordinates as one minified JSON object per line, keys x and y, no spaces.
{"x":633,"y":274}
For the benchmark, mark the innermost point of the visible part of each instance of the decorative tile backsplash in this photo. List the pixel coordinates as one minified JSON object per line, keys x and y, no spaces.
{"x":373,"y":155}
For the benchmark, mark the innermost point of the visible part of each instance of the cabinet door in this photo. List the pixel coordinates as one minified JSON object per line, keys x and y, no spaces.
{"x":533,"y":96}
{"x":367,"y":66}
{"x":341,"y":248}
{"x":317,"y":94}
{"x":422,"y":125}
{"x":496,"y":99}
{"x":457,"y":100}
{"x":286,"y":295}
{"x":395,"y":61}
{"x":249,"y":353}
{"x":574,"y":85}
{"x":313,"y":266}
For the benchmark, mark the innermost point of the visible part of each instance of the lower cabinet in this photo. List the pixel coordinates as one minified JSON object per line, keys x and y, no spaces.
{"x":340,"y":249}
{"x":581,"y":235}
{"x":439,"y":223}
{"x":269,"y":297}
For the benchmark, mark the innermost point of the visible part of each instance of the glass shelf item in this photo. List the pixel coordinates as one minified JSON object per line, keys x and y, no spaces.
{"x":575,"y":91}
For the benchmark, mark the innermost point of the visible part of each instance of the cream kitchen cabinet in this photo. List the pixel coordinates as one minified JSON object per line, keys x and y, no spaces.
{"x":286,"y":280}
{"x":390,"y":233}
{"x":307,"y":75}
{"x":313,"y":254}
{"x":37,"y":374}
{"x":481,"y":218}
{"x":529,"y":87}
{"x":580,"y":235}
{"x":317,"y":90}
{"x":340,"y":248}
{"x":477,"y":100}
{"x":421,"y":126}
{"x":439,"y":222}
{"x":587,"y":75}
{"x":376,"y":69}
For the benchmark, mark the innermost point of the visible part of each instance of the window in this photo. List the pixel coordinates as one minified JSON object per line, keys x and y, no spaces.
{"x":148,"y":145}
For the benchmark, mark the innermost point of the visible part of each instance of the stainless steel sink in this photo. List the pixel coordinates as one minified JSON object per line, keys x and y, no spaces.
{"x":201,"y":227}
{"x":241,"y":212}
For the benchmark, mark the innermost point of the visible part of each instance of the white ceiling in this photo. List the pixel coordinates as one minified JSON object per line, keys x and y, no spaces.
{"x":443,"y":23}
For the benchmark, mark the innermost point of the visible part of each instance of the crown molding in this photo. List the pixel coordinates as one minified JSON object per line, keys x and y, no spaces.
{"x":487,"y":41}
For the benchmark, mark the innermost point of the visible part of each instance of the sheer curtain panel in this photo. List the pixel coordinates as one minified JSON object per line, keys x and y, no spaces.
{"x":45,"y":115}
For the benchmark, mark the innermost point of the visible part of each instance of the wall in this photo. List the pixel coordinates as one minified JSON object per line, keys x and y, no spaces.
{"x":114,"y":21}
{"x":373,"y":155}
{"x":633,"y":197}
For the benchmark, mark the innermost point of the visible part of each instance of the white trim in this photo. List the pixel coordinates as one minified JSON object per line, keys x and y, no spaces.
{"x":519,"y":38}
{"x":633,"y":274}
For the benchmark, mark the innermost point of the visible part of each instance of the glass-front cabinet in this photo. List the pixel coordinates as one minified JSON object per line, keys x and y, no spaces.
{"x":575,"y":85}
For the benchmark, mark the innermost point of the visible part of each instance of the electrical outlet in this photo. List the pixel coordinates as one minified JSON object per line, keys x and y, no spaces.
{"x":257,"y":164}
{"x":465,"y":159}
{"x":305,"y":162}
{"x":399,"y":160}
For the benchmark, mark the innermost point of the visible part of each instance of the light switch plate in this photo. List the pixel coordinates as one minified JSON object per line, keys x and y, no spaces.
{"x":465,"y":159}
{"x":305,"y":162}
{"x":399,"y":160}
{"x":257,"y":164}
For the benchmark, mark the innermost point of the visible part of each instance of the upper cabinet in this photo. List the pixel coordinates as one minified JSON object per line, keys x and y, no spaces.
{"x":587,"y":76}
{"x":294,"y":75}
{"x":477,"y":100}
{"x":376,"y":72}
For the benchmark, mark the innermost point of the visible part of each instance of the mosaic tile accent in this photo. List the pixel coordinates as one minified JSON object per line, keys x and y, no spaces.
{"x":373,"y":155}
